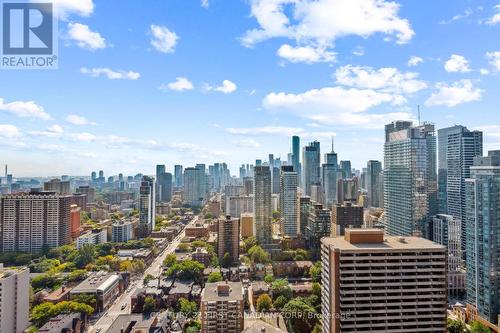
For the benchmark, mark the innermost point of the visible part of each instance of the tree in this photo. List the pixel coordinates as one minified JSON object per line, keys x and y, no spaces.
{"x":456,"y":326}
{"x":40,"y":314}
{"x":226,"y":260}
{"x":148,"y":278}
{"x":85,"y":299}
{"x":45,"y":281}
{"x":86,"y":255}
{"x":249,"y":243}
{"x":170,"y":260}
{"x":298,"y":315}
{"x":276,"y":214}
{"x":138,"y":266}
{"x":184,"y":247}
{"x":149,"y":305}
{"x":280,"y":287}
{"x":268,"y":278}
{"x":188,"y":308}
{"x":316,"y":289}
{"x":77,"y":275}
{"x":477,"y":327}
{"x":186,"y":270}
{"x":258,"y":255}
{"x":315,"y":272}
{"x":264,"y":303}
{"x":280,"y":302}
{"x":215,"y":277}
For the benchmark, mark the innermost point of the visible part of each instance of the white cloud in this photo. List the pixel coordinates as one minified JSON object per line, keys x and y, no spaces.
{"x":24,"y":109}
{"x":414,"y":61}
{"x":163,"y":40}
{"x":495,"y":18}
{"x":265,"y":130}
{"x":54,"y":131}
{"x":458,"y":92}
{"x":468,"y":12}
{"x":318,"y":23}
{"x":110,"y":74}
{"x":85,"y":38}
{"x":83,"y":137}
{"x":247,"y":143}
{"x":337,"y":105}
{"x":227,"y":87}
{"x":78,"y":120}
{"x":494,"y":58}
{"x":359,"y":51}
{"x":180,"y":84}
{"x":307,"y":54}
{"x":457,"y":63}
{"x":386,"y":79}
{"x":64,"y":8}
{"x":9,"y":131}
{"x":205,"y":3}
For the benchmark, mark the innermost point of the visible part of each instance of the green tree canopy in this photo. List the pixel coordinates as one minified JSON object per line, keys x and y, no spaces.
{"x":264,"y":303}
{"x":258,"y":255}
{"x":40,"y":314}
{"x":299,"y":315}
{"x":149,"y":305}
{"x":188,"y":308}
{"x":280,"y":287}
{"x":477,"y":327}
{"x":215,"y":277}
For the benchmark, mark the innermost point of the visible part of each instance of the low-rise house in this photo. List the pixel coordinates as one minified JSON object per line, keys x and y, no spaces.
{"x":292,"y":268}
{"x":201,"y":255}
{"x":66,"y":323}
{"x":258,"y":288}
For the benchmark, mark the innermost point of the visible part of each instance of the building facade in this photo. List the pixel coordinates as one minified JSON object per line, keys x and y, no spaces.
{"x":377,"y":283}
{"x":31,"y":221}
{"x":262,"y":205}
{"x":222,"y":307}
{"x":228,"y":240}
{"x":14,"y":299}
{"x":289,"y":201}
{"x":457,"y":147}
{"x":410,"y":179}
{"x":311,"y":173}
{"x":483,"y":236}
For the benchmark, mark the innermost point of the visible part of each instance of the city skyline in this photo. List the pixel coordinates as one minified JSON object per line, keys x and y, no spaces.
{"x":141,"y":95}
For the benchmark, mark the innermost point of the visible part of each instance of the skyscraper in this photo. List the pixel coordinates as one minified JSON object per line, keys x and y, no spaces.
{"x":483,"y":236}
{"x":318,"y":226}
{"x":14,"y":299}
{"x":178,"y":175}
{"x":345,"y":167}
{"x":296,"y":156}
{"x":289,"y":201}
{"x":193,"y":179}
{"x":262,"y":205}
{"x":147,"y":207}
{"x":345,"y":216}
{"x":329,"y":171}
{"x":410,"y":180}
{"x":57,"y":186}
{"x":160,"y":169}
{"x":30,"y":221}
{"x":164,"y":187}
{"x":372,"y":283}
{"x":311,"y":163}
{"x":228,"y":240}
{"x":457,"y":148}
{"x":373,"y":184}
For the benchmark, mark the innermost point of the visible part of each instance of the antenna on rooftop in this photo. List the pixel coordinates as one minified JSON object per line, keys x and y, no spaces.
{"x":332,"y":145}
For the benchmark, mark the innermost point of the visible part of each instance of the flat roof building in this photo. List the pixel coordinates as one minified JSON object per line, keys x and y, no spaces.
{"x":378,"y":283}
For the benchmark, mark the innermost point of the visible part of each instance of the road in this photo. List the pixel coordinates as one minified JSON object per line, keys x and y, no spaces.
{"x":154,"y":269}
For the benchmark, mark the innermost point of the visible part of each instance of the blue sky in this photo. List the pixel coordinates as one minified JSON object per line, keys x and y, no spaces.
{"x":187,"y":81}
